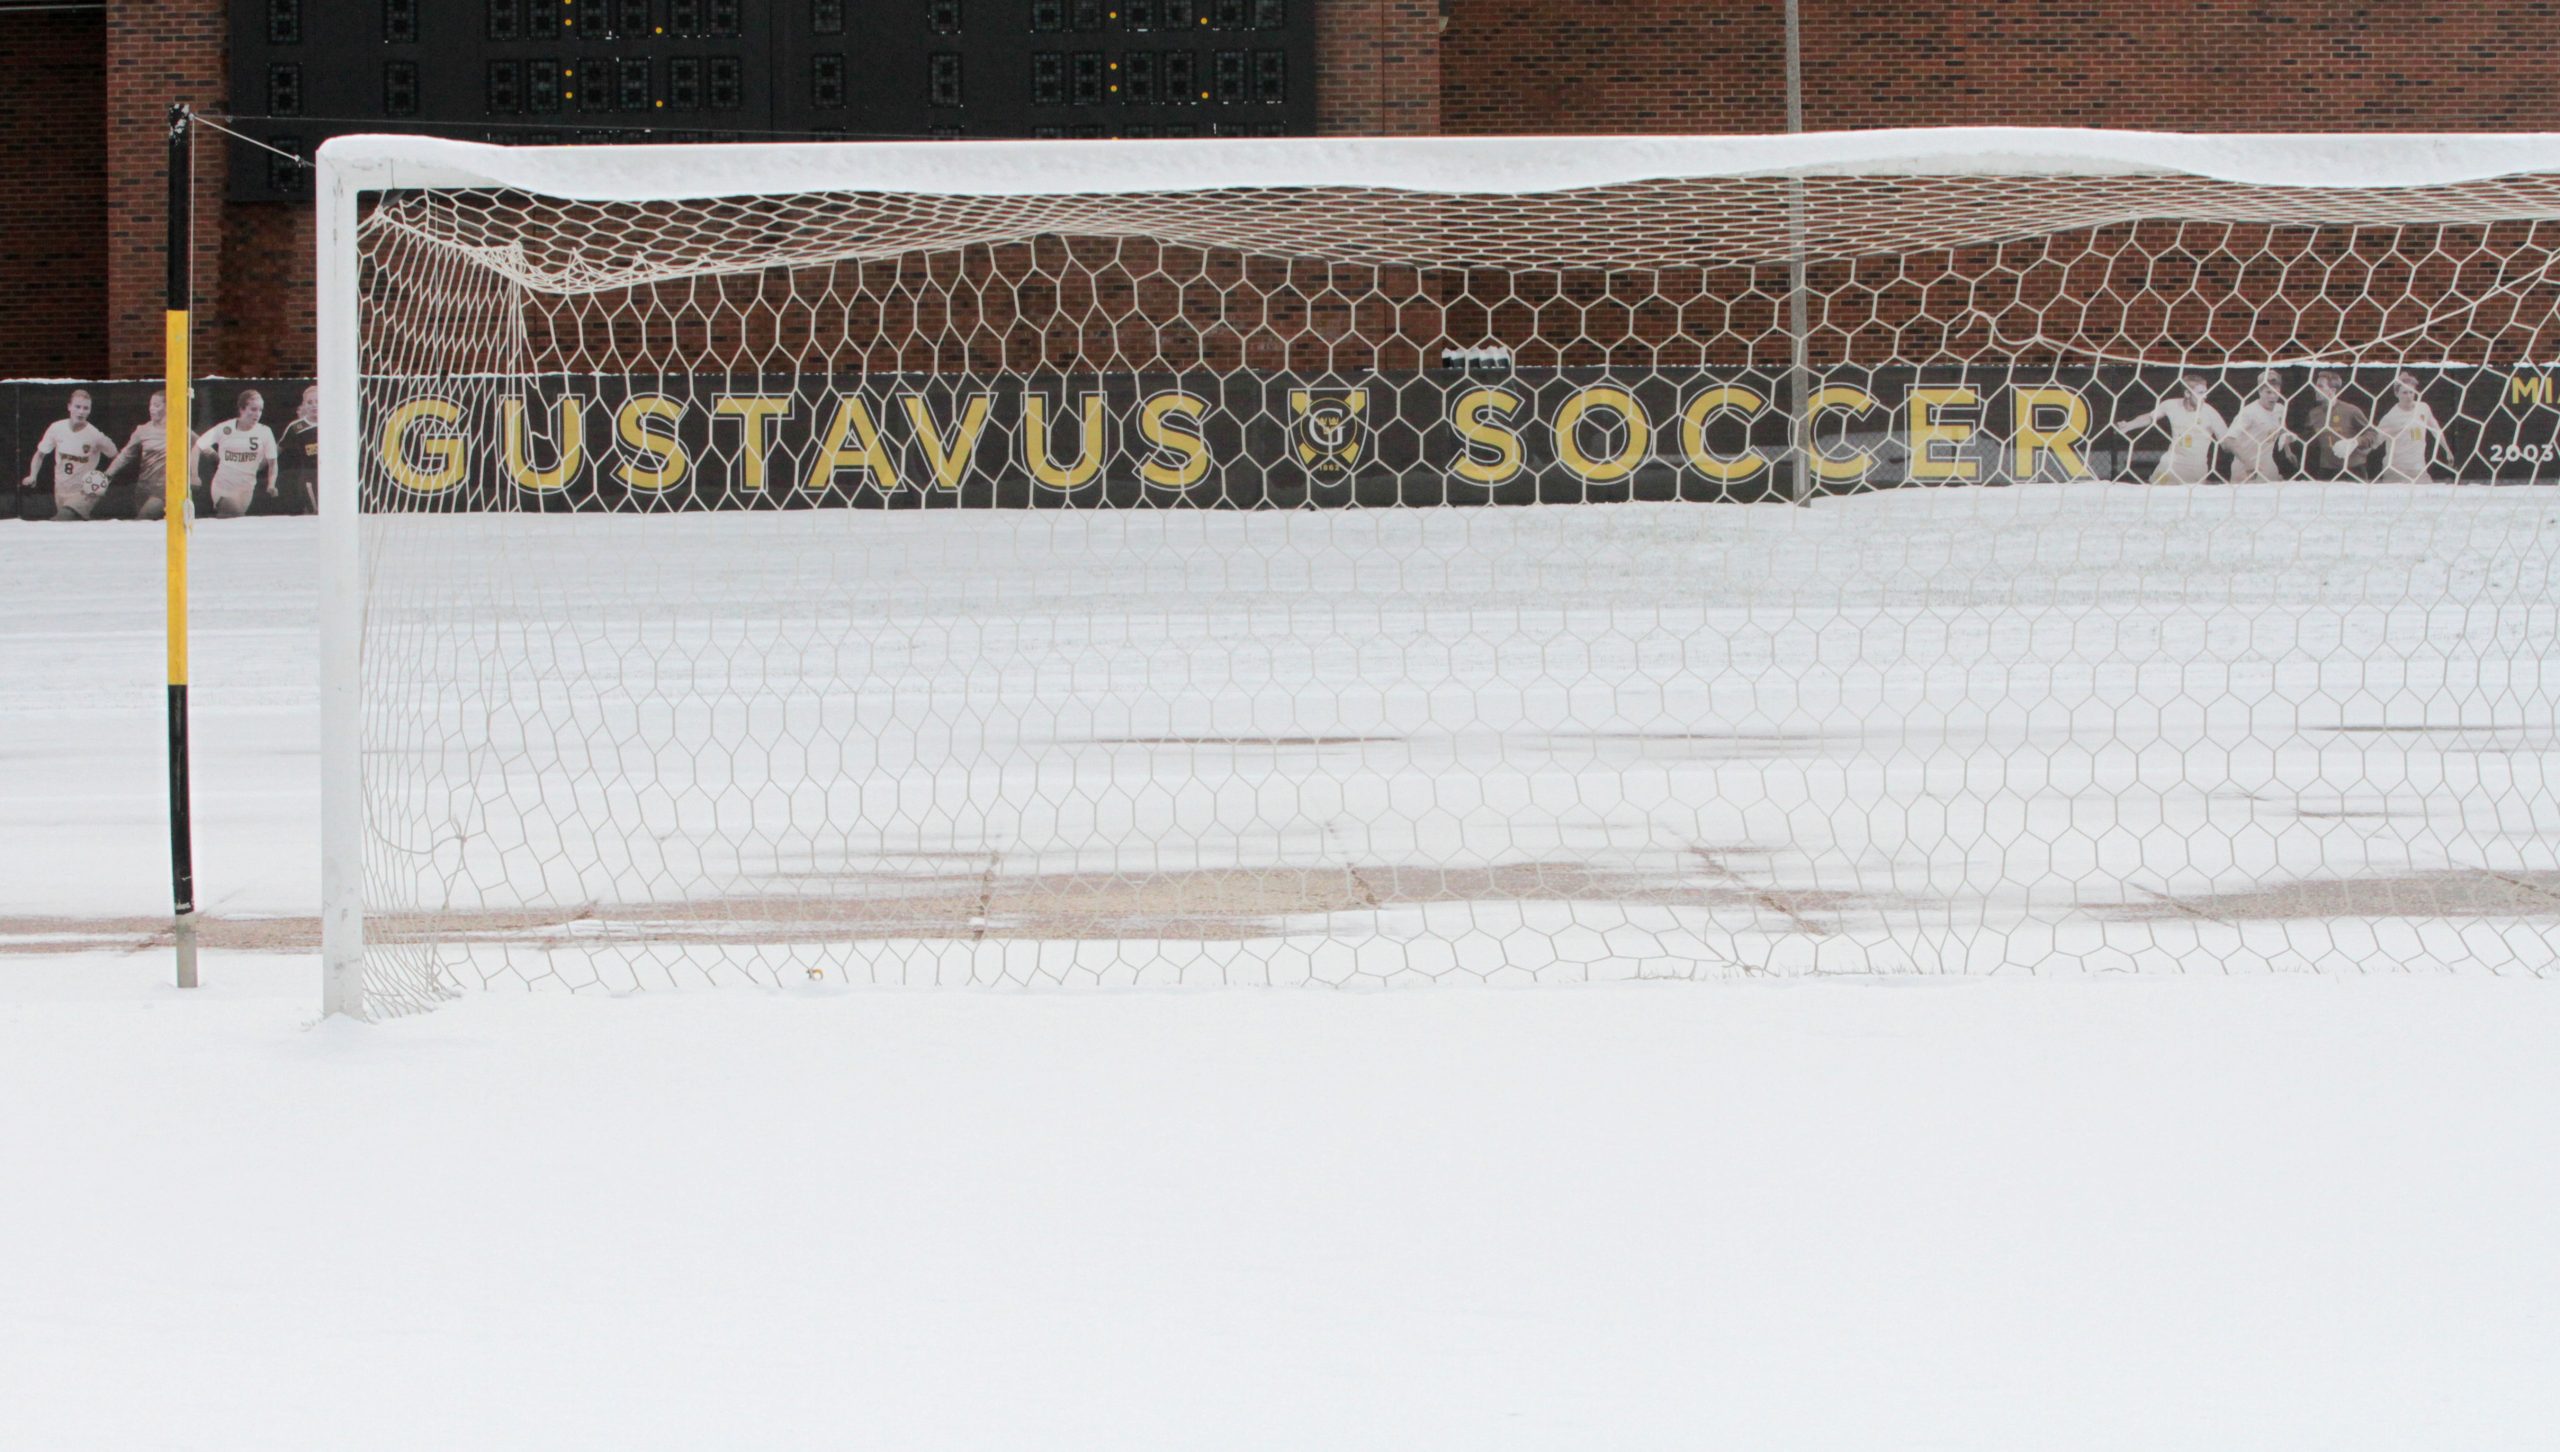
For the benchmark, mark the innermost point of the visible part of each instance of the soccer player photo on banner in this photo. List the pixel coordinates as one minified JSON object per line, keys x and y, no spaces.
{"x":99,"y":451}
{"x":77,"y":452}
{"x":146,"y":455}
{"x":2261,"y":444}
{"x":244,"y":454}
{"x":297,"y":488}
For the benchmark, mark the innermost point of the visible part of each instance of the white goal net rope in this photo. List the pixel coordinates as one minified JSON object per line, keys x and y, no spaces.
{"x":1364,"y":586}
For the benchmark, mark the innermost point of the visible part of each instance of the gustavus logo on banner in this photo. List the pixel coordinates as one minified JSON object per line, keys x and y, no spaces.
{"x":1329,"y":430}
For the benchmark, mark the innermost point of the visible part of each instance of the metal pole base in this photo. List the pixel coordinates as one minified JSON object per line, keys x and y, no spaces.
{"x":186,"y":937}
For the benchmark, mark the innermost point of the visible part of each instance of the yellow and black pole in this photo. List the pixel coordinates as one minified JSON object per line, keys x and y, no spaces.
{"x":177,"y":495}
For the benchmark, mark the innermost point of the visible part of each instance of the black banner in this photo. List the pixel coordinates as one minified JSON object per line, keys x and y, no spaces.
{"x":1479,"y":435}
{"x":1452,"y":436}
{"x":79,"y":450}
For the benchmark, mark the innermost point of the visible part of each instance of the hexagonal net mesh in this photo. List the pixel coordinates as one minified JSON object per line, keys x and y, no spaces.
{"x":1348,"y":585}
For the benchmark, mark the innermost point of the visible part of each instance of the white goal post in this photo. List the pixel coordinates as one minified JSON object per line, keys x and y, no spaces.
{"x":1375,"y":561}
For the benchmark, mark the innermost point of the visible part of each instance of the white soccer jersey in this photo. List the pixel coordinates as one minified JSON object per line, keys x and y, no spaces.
{"x":2193,"y":431}
{"x":238,"y":456}
{"x":78,"y":451}
{"x":2409,"y":433}
{"x":2252,"y":441}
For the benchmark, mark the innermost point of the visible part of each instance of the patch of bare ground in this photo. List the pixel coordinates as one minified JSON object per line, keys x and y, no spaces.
{"x":2450,"y":893}
{"x":1206,"y":904}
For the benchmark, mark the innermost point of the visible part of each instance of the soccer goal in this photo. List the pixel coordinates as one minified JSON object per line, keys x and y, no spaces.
{"x":1373,"y":562}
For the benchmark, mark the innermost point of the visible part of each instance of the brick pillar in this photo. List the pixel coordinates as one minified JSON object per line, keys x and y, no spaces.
{"x":1378,"y":67}
{"x":53,"y":232}
{"x":159,"y":51}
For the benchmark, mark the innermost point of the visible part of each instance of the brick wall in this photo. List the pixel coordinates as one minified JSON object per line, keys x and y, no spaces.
{"x":2490,"y":66}
{"x":160,"y":51}
{"x":264,"y":328}
{"x":1384,"y":67}
{"x":53,"y":167}
{"x":2301,"y":65}
{"x":1509,"y":67}
{"x":1378,"y":67}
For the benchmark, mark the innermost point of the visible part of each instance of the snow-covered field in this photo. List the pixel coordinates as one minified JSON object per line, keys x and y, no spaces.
{"x":2030,"y":1212}
{"x":2292,"y":727}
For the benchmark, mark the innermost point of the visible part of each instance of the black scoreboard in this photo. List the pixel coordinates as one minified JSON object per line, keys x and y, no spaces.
{"x":547,"y":72}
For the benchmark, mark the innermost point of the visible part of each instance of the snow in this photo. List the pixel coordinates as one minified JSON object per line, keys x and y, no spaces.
{"x":83,"y":736}
{"x":2136,"y":1213}
{"x":2291,"y":727}
{"x":2015,"y":1212}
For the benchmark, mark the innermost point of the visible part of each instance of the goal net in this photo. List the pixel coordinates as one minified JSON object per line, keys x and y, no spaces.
{"x":1378,"y":562}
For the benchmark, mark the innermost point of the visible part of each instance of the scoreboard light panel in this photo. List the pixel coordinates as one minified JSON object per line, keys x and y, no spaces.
{"x":548,"y":72}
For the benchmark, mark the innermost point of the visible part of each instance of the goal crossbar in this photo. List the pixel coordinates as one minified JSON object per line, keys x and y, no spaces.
{"x":1449,"y":165}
